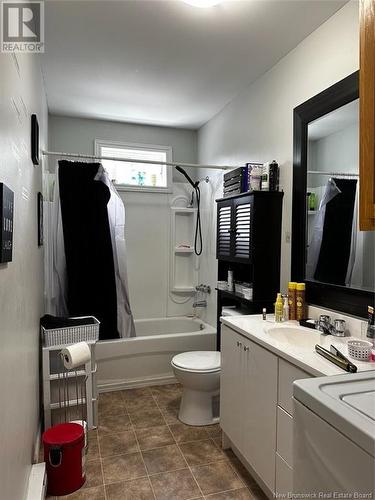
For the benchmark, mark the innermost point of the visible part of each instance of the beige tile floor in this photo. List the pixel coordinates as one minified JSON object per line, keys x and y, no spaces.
{"x":141,"y":451}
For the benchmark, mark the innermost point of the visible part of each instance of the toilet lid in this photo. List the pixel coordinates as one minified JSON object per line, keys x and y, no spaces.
{"x":200,"y":361}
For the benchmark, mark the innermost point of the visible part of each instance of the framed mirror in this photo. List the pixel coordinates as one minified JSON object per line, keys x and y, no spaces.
{"x":329,"y":253}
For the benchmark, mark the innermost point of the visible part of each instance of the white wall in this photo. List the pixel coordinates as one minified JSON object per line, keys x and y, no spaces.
{"x":147,"y":214}
{"x":77,"y":135}
{"x":337,"y":152}
{"x":258,"y":124}
{"x":21,"y":281}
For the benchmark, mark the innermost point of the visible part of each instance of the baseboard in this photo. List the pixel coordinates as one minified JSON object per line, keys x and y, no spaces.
{"x":37,"y":444}
{"x":119,"y":385}
{"x":37,"y":486}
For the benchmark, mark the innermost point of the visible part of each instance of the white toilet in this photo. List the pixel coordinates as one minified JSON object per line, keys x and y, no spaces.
{"x":199,"y":374}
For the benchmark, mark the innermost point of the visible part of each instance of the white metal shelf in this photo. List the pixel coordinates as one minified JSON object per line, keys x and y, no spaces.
{"x":52,"y":378}
{"x":79,"y":373}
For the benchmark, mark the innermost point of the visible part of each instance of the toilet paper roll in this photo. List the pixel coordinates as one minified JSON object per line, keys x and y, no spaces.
{"x":76,"y":355}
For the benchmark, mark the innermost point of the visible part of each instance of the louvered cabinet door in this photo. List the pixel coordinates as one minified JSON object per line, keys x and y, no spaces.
{"x":242,"y":209}
{"x":224,"y":230}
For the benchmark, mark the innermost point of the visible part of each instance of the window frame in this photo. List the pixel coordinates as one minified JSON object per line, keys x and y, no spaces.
{"x":99,"y":143}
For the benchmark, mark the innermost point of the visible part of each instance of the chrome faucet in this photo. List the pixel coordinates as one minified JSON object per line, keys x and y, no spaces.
{"x":200,"y":303}
{"x":325,"y":325}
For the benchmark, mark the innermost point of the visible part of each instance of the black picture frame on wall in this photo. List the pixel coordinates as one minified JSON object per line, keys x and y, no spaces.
{"x":6,"y":223}
{"x":40,"y":219}
{"x":34,"y":140}
{"x":348,"y":300}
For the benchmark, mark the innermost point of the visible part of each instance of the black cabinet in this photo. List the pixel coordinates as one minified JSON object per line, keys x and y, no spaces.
{"x":249,"y":244}
{"x":234,"y":228}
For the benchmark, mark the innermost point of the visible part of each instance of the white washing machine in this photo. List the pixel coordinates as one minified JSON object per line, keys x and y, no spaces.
{"x":334,"y":437}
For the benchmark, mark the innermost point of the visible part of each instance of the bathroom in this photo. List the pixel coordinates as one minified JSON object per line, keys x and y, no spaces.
{"x":180,"y":83}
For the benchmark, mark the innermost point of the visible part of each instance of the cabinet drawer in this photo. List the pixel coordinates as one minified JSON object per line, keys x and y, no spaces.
{"x":285,"y":436}
{"x":284,"y":476}
{"x":288,"y":373}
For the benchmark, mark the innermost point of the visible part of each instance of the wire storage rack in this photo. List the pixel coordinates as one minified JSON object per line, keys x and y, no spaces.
{"x":69,"y":395}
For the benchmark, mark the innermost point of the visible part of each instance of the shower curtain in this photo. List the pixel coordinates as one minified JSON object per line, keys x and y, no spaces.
{"x":331,"y":253}
{"x":88,"y":249}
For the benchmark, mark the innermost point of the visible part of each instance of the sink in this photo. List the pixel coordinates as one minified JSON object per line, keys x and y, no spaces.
{"x":299,"y":337}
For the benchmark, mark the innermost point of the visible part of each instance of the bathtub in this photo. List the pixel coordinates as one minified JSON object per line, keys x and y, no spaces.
{"x":146,"y":358}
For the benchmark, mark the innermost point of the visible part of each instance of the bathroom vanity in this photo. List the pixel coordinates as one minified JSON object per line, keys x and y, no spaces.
{"x":260,"y":362}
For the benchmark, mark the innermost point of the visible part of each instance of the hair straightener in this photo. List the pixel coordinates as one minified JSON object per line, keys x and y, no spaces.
{"x":336,"y":357}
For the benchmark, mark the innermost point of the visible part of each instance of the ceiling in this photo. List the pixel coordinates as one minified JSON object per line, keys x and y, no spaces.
{"x":339,"y":119}
{"x":166,"y":62}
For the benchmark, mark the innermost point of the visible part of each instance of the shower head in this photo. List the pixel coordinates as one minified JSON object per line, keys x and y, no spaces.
{"x":182,"y":171}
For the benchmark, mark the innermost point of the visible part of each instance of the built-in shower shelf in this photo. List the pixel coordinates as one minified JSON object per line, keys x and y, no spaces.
{"x":184,"y":210}
{"x":183,"y":250}
{"x":183,"y":266}
{"x":183,"y":289}
{"x":312,"y":212}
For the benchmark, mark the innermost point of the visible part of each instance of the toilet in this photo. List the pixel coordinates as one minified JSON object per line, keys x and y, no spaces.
{"x":199,"y":374}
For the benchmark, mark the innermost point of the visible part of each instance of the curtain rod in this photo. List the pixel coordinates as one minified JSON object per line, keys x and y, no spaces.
{"x":333,"y":174}
{"x":130,"y":160}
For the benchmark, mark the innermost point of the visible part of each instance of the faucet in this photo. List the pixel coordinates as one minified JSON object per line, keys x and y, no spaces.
{"x":200,"y":303}
{"x":325,"y":325}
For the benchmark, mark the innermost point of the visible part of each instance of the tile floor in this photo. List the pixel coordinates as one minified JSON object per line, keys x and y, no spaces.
{"x":141,"y":451}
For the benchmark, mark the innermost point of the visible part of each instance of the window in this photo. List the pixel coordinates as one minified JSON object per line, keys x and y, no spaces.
{"x":137,"y":176}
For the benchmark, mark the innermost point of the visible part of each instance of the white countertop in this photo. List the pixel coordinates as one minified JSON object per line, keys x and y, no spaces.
{"x":304,"y":356}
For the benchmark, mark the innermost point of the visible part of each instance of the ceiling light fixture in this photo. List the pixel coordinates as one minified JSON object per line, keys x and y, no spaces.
{"x":203,"y":3}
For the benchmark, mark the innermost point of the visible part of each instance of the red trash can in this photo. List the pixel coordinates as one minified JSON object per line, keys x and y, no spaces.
{"x":64,"y":454}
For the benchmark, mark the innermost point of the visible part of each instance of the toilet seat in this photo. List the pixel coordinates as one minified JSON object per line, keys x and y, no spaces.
{"x":198,"y":361}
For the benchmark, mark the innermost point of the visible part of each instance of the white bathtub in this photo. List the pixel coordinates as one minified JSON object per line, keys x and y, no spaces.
{"x":146,"y":358}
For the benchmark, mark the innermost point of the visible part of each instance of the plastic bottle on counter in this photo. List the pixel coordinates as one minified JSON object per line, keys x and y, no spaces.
{"x":279,"y":308}
{"x":300,"y":301}
{"x":285,"y":308}
{"x":292,"y":289}
{"x":230,"y":281}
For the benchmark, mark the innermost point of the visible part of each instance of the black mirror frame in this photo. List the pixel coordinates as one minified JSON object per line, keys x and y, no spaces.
{"x":348,"y":300}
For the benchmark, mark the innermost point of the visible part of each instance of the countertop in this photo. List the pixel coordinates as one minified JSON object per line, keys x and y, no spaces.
{"x":256,"y":329}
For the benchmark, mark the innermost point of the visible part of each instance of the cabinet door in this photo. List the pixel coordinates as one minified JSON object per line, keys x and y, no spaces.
{"x":367,"y":116}
{"x":231,"y":385}
{"x":260,"y":404}
{"x":224,"y":230}
{"x":242,"y":215}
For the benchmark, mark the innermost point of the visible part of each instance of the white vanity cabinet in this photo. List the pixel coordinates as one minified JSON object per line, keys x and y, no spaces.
{"x":256,"y":407}
{"x":248,"y":401}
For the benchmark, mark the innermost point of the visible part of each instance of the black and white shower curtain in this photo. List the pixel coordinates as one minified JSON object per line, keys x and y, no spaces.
{"x":88,"y":254}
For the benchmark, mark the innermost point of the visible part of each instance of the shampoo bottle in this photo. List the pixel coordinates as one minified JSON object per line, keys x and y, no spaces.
{"x":279,"y":308}
{"x":292,"y":288}
{"x":300,"y":301}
